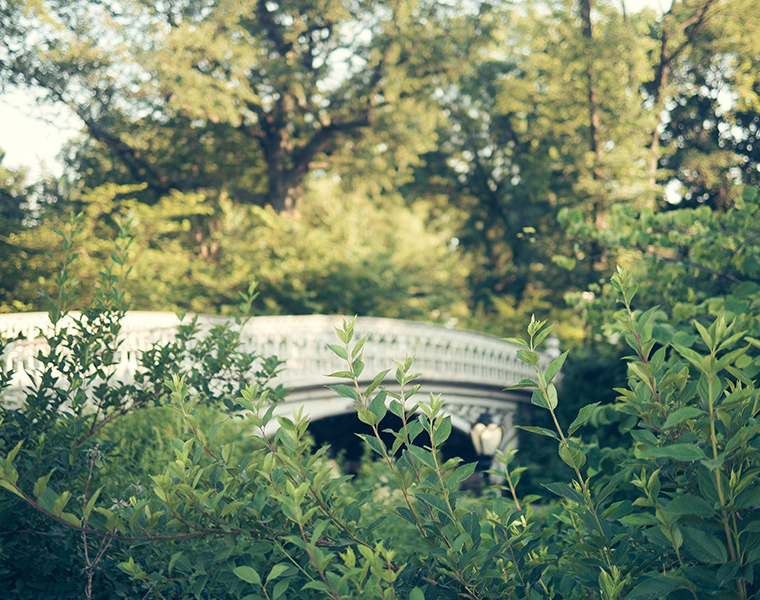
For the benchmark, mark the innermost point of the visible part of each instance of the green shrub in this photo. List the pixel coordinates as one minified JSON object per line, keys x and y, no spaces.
{"x":670,"y":513}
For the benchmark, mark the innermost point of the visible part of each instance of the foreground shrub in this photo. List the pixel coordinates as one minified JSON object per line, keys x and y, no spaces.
{"x":671,"y":514}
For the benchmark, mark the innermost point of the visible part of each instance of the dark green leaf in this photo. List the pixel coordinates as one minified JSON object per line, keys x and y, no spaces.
{"x":680,"y":452}
{"x":703,"y":546}
{"x":584,"y":414}
{"x":564,"y":490}
{"x":652,"y":589}
{"x":690,"y":505}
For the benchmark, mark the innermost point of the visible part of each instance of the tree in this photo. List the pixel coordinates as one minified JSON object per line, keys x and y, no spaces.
{"x":249,"y":97}
{"x":198,"y":254}
{"x":710,"y":136}
{"x":525,"y":136}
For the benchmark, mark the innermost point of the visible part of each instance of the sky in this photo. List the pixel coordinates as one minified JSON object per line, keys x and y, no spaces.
{"x":32,"y":136}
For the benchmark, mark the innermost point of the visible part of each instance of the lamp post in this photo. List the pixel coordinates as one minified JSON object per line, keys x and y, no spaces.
{"x":486,"y":437}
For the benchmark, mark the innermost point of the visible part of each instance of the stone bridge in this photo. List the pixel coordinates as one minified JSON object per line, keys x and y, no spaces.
{"x":470,"y":370}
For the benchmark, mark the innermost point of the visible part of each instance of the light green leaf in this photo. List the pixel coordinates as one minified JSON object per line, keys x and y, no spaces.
{"x":91,"y":503}
{"x":524,"y":383}
{"x":443,"y":432}
{"x":552,"y":390}
{"x":682,"y":414}
{"x":556,"y":365}
{"x":528,"y":357}
{"x":12,"y":454}
{"x":344,"y":390}
{"x":41,"y":484}
{"x":573,"y":457}
{"x":276,"y":571}
{"x":245,"y":573}
{"x":339,"y":350}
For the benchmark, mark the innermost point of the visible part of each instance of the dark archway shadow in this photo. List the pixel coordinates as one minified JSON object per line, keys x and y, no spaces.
{"x":340,"y":433}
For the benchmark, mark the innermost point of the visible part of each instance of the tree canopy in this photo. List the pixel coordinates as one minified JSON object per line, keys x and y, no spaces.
{"x":485,"y":120}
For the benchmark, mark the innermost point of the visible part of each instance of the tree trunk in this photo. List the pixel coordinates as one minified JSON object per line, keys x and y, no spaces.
{"x":594,"y":125}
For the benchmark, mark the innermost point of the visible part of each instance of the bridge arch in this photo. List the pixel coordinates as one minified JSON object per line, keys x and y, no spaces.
{"x":470,"y":370}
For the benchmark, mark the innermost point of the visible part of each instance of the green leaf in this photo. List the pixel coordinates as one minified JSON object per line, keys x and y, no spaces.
{"x":564,"y":490}
{"x":460,"y":474}
{"x":524,"y":383}
{"x":573,"y":457}
{"x":584,"y":414}
{"x":342,"y":374}
{"x":528,"y":357}
{"x":690,"y":505}
{"x":276,"y":571}
{"x":643,"y":436}
{"x":358,"y":346}
{"x":339,"y":350}
{"x":652,"y":589}
{"x":71,"y":519}
{"x":703,"y":546}
{"x":516,"y":341}
{"x":280,"y":588}
{"x":689,"y":354}
{"x":681,"y":452}
{"x":443,"y":432}
{"x":61,"y":502}
{"x":556,"y":365}
{"x":682,"y":414}
{"x":376,"y":381}
{"x":377,"y":406}
{"x":706,"y":337}
{"x":422,"y":455}
{"x":176,"y":556}
{"x":552,"y":391}
{"x":538,"y":430}
{"x":344,"y":390}
{"x":41,"y":484}
{"x":11,"y":488}
{"x":416,"y":594}
{"x":91,"y":503}
{"x":538,"y":399}
{"x":367,"y":416}
{"x":372,"y":442}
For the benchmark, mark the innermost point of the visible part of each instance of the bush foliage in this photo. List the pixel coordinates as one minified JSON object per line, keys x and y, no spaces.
{"x":190,"y":508}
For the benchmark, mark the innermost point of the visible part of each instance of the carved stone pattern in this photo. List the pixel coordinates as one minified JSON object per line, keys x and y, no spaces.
{"x":441,"y":354}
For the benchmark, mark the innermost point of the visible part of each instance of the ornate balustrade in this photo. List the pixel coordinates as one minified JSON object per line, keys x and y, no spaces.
{"x":471,"y":369}
{"x":441,"y":354}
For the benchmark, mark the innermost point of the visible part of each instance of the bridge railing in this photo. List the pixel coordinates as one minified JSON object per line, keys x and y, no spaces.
{"x":441,"y":354}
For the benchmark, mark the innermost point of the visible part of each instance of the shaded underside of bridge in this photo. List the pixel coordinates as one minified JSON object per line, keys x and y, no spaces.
{"x":469,"y":370}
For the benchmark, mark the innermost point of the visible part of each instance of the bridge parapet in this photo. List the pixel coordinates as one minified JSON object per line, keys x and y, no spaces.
{"x":470,"y":369}
{"x":441,"y":354}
